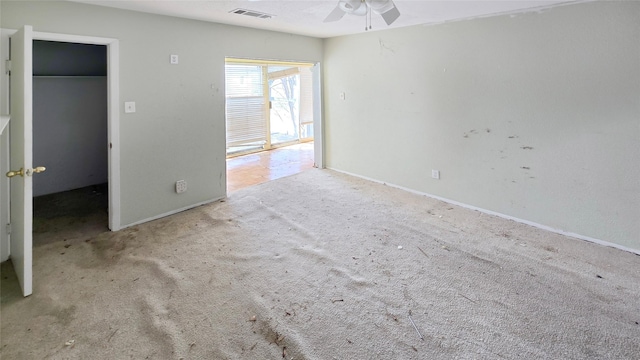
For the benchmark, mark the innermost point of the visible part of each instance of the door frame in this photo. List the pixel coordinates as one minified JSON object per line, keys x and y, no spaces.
{"x":113,"y":125}
{"x":113,"y":112}
{"x":318,"y":121}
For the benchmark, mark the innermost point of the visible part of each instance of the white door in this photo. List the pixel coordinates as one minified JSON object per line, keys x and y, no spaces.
{"x":21,"y":157}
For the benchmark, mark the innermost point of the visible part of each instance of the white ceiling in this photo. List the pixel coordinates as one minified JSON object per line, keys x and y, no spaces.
{"x":305,"y":17}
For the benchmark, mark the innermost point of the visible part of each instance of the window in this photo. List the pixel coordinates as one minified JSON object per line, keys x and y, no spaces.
{"x":267,"y":104}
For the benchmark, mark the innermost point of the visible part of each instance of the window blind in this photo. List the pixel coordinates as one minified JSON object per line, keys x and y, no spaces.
{"x":306,"y":96}
{"x":245,"y":105}
{"x":306,"y":103}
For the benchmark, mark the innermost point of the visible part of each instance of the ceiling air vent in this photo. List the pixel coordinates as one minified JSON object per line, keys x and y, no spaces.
{"x":252,"y":13}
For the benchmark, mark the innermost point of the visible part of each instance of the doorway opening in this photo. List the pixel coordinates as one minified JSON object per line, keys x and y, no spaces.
{"x":70,"y":138}
{"x":270,"y":111}
{"x":17,"y":245}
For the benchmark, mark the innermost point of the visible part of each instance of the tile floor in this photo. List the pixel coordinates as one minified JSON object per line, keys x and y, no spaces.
{"x":248,"y":170}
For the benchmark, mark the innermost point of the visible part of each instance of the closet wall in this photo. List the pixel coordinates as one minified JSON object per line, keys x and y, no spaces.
{"x":69,"y":116}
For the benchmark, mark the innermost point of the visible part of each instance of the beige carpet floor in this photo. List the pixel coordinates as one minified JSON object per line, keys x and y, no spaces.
{"x":310,"y":267}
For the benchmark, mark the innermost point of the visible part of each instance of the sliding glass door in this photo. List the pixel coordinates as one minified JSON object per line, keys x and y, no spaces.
{"x":267,"y":105}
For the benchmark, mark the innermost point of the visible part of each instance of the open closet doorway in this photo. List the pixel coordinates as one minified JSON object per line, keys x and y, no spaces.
{"x":70,"y":138}
{"x":272,"y":113}
{"x":17,"y":140}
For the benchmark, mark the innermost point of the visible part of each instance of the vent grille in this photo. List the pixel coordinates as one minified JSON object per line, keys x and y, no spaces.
{"x":252,"y":13}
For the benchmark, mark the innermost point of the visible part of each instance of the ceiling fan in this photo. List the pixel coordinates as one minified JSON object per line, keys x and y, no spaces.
{"x":385,"y":8}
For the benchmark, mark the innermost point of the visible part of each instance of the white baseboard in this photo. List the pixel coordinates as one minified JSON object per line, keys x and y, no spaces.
{"x":172,"y":212}
{"x":504,"y":216}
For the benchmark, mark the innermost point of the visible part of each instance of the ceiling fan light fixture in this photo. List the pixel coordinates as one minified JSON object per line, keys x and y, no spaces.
{"x":380,"y":6}
{"x":385,"y":8}
{"x":353,"y":7}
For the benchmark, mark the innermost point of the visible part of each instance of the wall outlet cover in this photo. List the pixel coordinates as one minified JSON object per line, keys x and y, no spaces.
{"x":174,"y":59}
{"x":435,"y":174}
{"x":181,"y":186}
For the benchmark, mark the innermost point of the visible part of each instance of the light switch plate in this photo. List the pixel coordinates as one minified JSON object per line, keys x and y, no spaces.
{"x":130,"y":107}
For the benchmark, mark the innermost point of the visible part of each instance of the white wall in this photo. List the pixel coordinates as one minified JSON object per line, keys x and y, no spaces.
{"x":69,"y":132}
{"x":177,"y":131}
{"x":536,"y":116}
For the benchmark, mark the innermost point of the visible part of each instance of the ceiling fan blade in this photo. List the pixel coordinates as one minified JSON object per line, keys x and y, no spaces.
{"x":391,"y":15}
{"x":335,"y":15}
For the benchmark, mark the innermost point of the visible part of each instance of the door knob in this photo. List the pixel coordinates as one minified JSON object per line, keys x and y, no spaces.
{"x":27,"y":172}
{"x":11,"y":174}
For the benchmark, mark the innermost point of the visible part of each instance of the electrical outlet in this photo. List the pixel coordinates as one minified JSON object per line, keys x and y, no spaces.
{"x":174,"y":59}
{"x":435,"y":174}
{"x":181,"y":186}
{"x":343,"y":96}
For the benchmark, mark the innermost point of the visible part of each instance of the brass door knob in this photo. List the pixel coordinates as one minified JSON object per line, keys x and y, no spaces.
{"x":11,"y":174}
{"x":28,"y":172}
